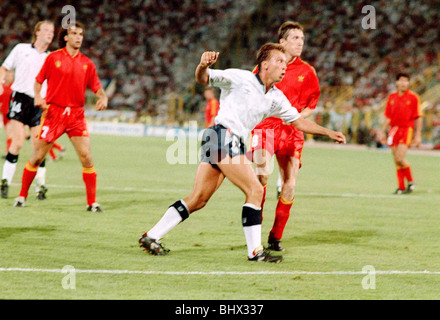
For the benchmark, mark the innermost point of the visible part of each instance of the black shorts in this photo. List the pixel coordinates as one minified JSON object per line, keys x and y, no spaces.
{"x":22,"y":108}
{"x":217,"y":142}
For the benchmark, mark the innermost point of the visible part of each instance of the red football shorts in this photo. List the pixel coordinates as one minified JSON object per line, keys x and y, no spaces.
{"x":283,"y":140}
{"x":400,"y":135}
{"x":55,"y":121}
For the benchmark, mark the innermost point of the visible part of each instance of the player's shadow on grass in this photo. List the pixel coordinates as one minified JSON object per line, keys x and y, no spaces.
{"x":330,"y":237}
{"x":7,"y":232}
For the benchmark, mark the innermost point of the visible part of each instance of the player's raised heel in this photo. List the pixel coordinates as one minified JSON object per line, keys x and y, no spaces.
{"x":4,"y":189}
{"x":152,"y":246}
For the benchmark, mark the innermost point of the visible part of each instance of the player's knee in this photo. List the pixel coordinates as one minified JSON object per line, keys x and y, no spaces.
{"x":199,"y":201}
{"x":256,"y":193}
{"x":16,"y":146}
{"x":400,"y":162}
{"x":263,"y":179}
{"x":289,"y":185}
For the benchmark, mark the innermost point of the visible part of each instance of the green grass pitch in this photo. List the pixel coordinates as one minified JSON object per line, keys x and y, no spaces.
{"x":344,"y":218}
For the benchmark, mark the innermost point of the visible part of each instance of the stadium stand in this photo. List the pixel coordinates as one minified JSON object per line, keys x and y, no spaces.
{"x":146,"y":50}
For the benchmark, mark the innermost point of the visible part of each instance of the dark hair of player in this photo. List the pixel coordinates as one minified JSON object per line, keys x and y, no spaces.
{"x":284,"y":29}
{"x":402,"y":74}
{"x":265,"y":52}
{"x":63,"y":32}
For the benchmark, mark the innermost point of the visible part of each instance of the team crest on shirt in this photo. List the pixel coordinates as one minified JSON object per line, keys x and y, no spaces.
{"x":408,"y":102}
{"x":58,"y":63}
{"x":392,"y":102}
{"x":85,"y":67}
{"x":300,"y":78}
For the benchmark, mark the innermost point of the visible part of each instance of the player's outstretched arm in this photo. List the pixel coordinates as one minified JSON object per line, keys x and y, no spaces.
{"x":308,"y":126}
{"x":102,"y":102}
{"x":208,"y":59}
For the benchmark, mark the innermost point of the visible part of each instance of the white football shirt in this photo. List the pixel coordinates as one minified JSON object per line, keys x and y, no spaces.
{"x":244,"y":102}
{"x":27,"y":62}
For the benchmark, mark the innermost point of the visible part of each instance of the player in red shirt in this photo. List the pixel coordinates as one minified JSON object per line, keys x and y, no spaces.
{"x":301,"y":86}
{"x":4,"y":106}
{"x":211,"y":108}
{"x":404,"y":116}
{"x":68,"y":73}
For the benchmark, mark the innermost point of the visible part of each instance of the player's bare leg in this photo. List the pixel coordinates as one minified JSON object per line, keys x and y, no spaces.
{"x":207,"y":181}
{"x":263,"y":168}
{"x":82,"y":148}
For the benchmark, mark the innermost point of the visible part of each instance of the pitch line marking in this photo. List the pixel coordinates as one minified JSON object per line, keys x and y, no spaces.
{"x":293,"y":273}
{"x":317,"y":194}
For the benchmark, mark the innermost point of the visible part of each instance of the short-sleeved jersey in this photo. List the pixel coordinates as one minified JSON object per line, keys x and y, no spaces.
{"x":300,"y":85}
{"x":244,"y":101}
{"x":68,"y":78}
{"x":26,"y":61}
{"x":4,"y":99}
{"x":211,"y":110}
{"x":403,"y":110}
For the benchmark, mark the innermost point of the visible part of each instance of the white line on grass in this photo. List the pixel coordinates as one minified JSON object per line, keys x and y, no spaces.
{"x":218,"y":273}
{"x":316,"y":194}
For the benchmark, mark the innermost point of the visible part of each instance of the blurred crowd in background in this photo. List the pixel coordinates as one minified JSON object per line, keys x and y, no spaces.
{"x":146,"y":50}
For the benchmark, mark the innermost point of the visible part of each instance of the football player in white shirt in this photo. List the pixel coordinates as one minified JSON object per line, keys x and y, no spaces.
{"x":26,"y":59}
{"x":245,"y":100}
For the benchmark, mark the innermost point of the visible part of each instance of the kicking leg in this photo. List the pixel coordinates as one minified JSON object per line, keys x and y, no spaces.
{"x":207,"y":181}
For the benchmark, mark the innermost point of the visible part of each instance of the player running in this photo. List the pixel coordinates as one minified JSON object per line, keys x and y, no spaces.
{"x":404,"y":117}
{"x":26,"y":59}
{"x":245,"y":100}
{"x":68,"y":73}
{"x":274,"y":137}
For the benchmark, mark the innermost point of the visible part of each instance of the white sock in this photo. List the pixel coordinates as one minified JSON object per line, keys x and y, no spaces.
{"x":252,"y":234}
{"x":169,"y":221}
{"x":9,"y":171}
{"x":40,"y":178}
{"x":253,"y":238}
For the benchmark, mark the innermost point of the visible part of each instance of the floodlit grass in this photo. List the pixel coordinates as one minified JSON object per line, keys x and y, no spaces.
{"x":344,"y":218}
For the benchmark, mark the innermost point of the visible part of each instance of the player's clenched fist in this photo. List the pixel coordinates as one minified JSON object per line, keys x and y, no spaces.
{"x":209,"y":58}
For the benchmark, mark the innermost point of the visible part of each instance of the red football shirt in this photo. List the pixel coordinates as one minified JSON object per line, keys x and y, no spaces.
{"x":403,"y":110}
{"x":211,"y":109}
{"x":300,"y":85}
{"x":68,"y":78}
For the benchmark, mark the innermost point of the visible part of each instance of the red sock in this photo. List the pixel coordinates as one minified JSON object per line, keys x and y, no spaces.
{"x":29,"y":174}
{"x":52,"y":154}
{"x":282,"y":214}
{"x":263,"y":200}
{"x":401,"y":178}
{"x":57,"y":146}
{"x":407,"y":173}
{"x":8,"y":144}
{"x":89,"y":177}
